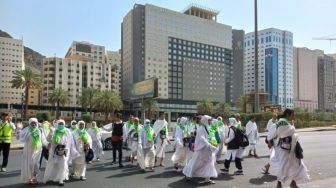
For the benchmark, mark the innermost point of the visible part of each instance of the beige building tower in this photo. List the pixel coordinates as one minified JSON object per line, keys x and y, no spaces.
{"x":305,"y":76}
{"x":11,"y":60}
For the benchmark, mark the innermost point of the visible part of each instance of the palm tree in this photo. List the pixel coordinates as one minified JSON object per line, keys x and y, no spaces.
{"x":150,"y":105}
{"x":59,"y":97}
{"x":108,"y":101}
{"x":88,"y":98}
{"x":223,"y":109}
{"x":242,"y":103}
{"x":204,"y":106}
{"x":26,"y":79}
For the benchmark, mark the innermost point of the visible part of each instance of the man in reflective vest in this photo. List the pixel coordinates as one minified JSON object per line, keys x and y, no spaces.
{"x":6,"y":129}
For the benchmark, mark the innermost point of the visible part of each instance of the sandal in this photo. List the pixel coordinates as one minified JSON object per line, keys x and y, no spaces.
{"x":264,"y":171}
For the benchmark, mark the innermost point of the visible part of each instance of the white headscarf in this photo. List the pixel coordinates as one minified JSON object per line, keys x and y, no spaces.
{"x":73,"y":125}
{"x":205,"y":120}
{"x":61,"y":120}
{"x":80,"y":122}
{"x":219,"y":118}
{"x":147,"y":121}
{"x":232,"y":121}
{"x":93,"y":124}
{"x":31,"y":120}
{"x":183,"y":120}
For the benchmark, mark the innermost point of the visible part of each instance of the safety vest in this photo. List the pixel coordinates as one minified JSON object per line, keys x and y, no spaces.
{"x":5,"y":133}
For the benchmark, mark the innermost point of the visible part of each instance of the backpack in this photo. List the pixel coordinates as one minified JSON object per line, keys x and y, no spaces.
{"x":89,"y":155}
{"x":242,"y":138}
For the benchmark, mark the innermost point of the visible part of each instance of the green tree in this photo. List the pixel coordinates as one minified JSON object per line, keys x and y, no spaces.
{"x":242,"y":103}
{"x":88,"y":97}
{"x":108,"y":101}
{"x":87,"y":118}
{"x":26,"y":79}
{"x":205,"y":106}
{"x":59,"y":97}
{"x":150,"y":105}
{"x":223,"y":109}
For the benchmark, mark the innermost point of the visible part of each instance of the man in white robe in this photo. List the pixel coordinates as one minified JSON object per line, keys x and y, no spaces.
{"x":252,"y":134}
{"x":202,"y":163}
{"x":82,"y":142}
{"x":33,"y":140}
{"x":233,"y":149}
{"x":127,"y":140}
{"x":161,"y":131}
{"x":290,"y":167}
{"x":62,"y":149}
{"x":183,"y":152}
{"x":96,"y":136}
{"x":134,"y":132}
{"x":146,"y":150}
{"x":221,"y":146}
{"x":272,"y":142}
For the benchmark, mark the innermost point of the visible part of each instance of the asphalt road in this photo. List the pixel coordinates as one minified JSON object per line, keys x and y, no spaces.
{"x":319,"y":152}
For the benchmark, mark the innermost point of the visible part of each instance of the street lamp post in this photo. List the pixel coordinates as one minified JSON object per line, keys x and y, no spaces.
{"x":256,"y":67}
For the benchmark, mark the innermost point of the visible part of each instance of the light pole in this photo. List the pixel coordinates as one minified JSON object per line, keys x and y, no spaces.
{"x":256,"y":67}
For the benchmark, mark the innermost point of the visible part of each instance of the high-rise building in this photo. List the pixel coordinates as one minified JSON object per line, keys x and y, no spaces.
{"x":326,"y":84}
{"x":238,"y":63}
{"x":305,"y":70}
{"x":189,"y":52}
{"x":85,"y":65}
{"x":275,"y":66}
{"x":113,"y":58}
{"x":11,"y":60}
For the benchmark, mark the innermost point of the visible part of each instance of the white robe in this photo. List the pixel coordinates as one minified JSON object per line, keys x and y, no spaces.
{"x":202,"y":163}
{"x":79,"y":163}
{"x":221,"y":146}
{"x":57,"y":167}
{"x":274,"y":158}
{"x":290,"y":168}
{"x":127,"y":139}
{"x":160,"y":143}
{"x":230,"y":153}
{"x":146,"y":151}
{"x":134,"y":140}
{"x":97,"y":145}
{"x":30,"y":155}
{"x":182,"y":153}
{"x":252,"y":134}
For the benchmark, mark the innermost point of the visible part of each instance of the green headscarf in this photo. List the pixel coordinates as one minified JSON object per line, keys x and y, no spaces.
{"x":149,"y":132}
{"x":60,"y":131}
{"x":36,"y":136}
{"x":83,"y":135}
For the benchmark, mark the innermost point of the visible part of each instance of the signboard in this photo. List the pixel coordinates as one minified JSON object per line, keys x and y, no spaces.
{"x":145,"y":89}
{"x":272,"y":108}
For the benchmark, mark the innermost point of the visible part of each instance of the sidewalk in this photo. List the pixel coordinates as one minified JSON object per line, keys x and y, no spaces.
{"x":328,"y":183}
{"x":17,"y":145}
{"x":311,"y":129}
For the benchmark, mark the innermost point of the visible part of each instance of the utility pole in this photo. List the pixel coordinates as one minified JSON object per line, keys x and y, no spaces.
{"x":256,"y":66}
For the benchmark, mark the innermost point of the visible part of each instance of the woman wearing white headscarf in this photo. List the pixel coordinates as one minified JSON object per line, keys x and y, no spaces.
{"x":202,"y":163}
{"x":161,"y":130}
{"x":62,"y":149}
{"x":134,"y":132}
{"x":146,"y":151}
{"x":82,"y":142}
{"x":183,"y":151}
{"x":96,"y":136}
{"x":33,"y":140}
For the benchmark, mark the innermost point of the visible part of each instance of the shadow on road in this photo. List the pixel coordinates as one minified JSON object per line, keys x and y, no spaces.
{"x":263,"y":179}
{"x":166,"y":174}
{"x":10,"y":174}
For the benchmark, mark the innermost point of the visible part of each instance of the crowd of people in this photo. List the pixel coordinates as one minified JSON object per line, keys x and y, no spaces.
{"x":199,"y":144}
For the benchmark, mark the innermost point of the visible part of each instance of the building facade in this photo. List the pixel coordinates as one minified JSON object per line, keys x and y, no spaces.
{"x":326,"y":84}
{"x":11,"y":60}
{"x":84,"y":66}
{"x":306,"y":78}
{"x":275,"y":72}
{"x":189,"y":52}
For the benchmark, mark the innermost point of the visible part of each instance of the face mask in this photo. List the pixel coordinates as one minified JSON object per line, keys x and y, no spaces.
{"x":60,"y":127}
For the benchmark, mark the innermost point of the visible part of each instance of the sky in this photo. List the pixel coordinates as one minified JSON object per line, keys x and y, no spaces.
{"x":49,"y":26}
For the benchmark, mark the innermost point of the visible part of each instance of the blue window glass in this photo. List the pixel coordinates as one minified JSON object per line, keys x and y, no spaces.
{"x":262,"y":40}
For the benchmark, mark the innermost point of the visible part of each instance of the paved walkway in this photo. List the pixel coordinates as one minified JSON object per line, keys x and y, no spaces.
{"x":327,"y":183}
{"x":16,"y":144}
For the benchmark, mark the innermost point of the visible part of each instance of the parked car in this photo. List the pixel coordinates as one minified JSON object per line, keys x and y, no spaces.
{"x":106,"y":140}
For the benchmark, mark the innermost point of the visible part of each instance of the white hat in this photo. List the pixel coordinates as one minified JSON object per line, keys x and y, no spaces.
{"x":205,"y":120}
{"x":183,"y":120}
{"x":31,"y":120}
